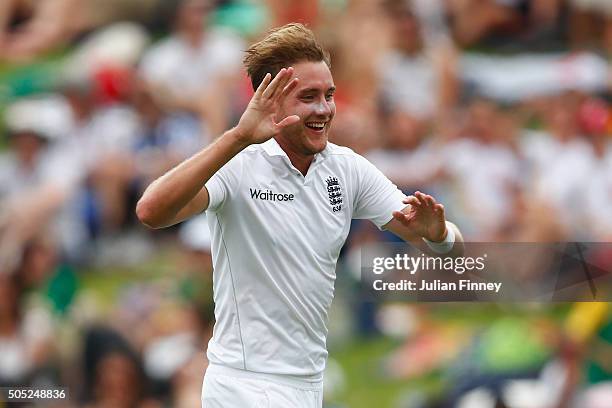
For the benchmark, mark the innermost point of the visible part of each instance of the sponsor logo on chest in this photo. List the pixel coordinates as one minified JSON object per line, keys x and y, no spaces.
{"x":269,"y":195}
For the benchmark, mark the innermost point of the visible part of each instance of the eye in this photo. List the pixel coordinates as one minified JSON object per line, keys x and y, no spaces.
{"x":329,"y":97}
{"x":307,"y":98}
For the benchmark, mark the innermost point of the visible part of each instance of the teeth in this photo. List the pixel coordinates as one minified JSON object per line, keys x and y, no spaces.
{"x":316,"y":125}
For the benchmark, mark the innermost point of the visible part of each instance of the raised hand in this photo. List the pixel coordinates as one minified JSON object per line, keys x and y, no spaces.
{"x":424,"y":216}
{"x":258,"y":122}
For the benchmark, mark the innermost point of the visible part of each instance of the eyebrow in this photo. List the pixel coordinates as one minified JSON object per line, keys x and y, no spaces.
{"x":307,"y":90}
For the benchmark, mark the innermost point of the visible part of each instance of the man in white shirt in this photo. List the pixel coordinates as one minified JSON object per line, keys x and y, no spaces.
{"x":195,"y":68}
{"x":279,"y":200}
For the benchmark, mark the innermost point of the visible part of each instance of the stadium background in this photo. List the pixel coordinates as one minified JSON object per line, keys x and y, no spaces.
{"x":499,"y":108}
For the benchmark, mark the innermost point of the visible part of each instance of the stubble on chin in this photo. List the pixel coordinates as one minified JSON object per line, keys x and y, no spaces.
{"x":318,"y":146}
{"x":302,"y":142}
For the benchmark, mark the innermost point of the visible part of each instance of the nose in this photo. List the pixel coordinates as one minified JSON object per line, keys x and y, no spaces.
{"x":323,"y":108}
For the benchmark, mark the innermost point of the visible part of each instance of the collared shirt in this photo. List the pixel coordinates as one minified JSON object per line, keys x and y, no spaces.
{"x":276,"y":237}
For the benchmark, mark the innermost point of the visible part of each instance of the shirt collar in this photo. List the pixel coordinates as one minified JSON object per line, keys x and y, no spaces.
{"x":272,"y":148}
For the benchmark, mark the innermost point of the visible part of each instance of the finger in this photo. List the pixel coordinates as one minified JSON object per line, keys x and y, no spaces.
{"x":412,"y":200}
{"x":278,"y":79}
{"x":417,"y":195}
{"x":270,"y":88}
{"x":288,"y":88}
{"x":283,"y":83}
{"x":421,"y":197}
{"x":402,"y":217}
{"x":439,"y":210}
{"x":288,"y":121}
{"x":263,"y":85}
{"x":429,"y":200}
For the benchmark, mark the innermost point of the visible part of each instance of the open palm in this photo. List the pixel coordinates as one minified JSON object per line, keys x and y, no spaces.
{"x":258,"y":122}
{"x":424,"y":216}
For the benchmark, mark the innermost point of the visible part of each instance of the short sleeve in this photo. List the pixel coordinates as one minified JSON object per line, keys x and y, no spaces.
{"x":377,"y":197}
{"x":224,"y":183}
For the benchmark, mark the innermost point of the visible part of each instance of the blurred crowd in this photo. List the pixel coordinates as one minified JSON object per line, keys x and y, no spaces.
{"x":501,"y":109}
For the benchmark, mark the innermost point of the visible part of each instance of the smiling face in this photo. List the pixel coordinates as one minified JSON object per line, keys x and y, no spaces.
{"x":313,"y":101}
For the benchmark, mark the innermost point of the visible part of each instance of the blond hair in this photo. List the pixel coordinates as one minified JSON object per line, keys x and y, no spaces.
{"x":282,"y":47}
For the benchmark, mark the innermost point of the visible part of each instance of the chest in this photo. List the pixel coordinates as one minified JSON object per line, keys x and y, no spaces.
{"x":312,"y":212}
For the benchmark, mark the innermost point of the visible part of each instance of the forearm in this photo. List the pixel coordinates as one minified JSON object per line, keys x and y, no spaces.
{"x":164,"y":199}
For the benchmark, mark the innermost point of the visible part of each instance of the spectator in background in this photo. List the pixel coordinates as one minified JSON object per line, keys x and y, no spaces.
{"x":15,"y":361}
{"x":408,"y":157}
{"x":562,"y":163}
{"x":195,"y":68}
{"x":590,"y":21}
{"x":26,"y":335}
{"x":416,"y":84}
{"x":21,"y":164}
{"x":101,"y":140}
{"x":163,"y":141}
{"x":35,"y":184}
{"x":484,"y":169}
{"x":113,"y":372}
{"x":588,"y":341}
{"x":415,"y":78}
{"x":284,"y":12}
{"x":28,"y":29}
{"x":505,"y":22}
{"x":607,"y":36}
{"x":595,"y":117}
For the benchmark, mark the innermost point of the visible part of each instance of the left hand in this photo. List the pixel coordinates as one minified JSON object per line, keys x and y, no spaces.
{"x":424,"y":216}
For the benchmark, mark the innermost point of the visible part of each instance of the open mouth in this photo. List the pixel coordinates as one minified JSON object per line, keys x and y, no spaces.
{"x":316,"y":126}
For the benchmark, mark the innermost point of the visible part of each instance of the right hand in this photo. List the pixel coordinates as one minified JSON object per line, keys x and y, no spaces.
{"x":258,"y":122}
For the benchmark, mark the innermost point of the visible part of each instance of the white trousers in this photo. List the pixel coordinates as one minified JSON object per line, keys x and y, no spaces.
{"x":226,"y":387}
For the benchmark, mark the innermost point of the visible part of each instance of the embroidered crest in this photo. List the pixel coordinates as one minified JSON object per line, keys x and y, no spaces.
{"x":334,"y":191}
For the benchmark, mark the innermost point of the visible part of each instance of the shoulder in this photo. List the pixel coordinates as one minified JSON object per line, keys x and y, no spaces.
{"x":251,"y":154}
{"x":337,"y":150}
{"x":253,"y":150}
{"x":346,"y":155}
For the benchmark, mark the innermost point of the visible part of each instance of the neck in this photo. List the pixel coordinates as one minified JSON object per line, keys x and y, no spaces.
{"x":299,"y":160}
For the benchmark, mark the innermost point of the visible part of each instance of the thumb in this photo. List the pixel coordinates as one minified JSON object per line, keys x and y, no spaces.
{"x":288,"y":121}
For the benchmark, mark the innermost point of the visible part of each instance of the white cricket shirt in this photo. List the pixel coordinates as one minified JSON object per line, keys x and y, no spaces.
{"x":276,"y":237}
